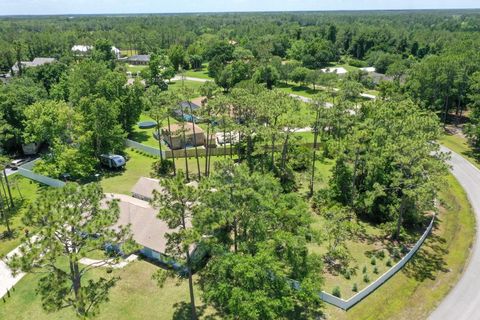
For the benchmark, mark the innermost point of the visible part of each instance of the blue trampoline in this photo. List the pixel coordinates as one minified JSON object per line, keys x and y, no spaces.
{"x":147,"y":124}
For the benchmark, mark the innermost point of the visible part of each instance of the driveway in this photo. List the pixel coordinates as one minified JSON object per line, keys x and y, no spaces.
{"x":463,"y":301}
{"x":7,"y":281}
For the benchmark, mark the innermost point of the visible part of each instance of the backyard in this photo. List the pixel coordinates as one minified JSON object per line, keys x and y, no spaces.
{"x":23,"y":191}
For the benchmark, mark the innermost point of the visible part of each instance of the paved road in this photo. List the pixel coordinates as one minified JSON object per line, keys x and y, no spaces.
{"x":463,"y":302}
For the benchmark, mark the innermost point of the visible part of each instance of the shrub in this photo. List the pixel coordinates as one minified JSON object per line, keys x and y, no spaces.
{"x":336,"y":292}
{"x":375,"y":270}
{"x":364,"y":270}
{"x":347,"y":275}
{"x":389,"y":263}
{"x":373,"y":261}
{"x":381,"y":255}
{"x":366,"y":278}
{"x":162,"y":168}
{"x":355,"y":288}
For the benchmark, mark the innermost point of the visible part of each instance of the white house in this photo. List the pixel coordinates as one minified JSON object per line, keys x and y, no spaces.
{"x":116,"y":52}
{"x":368,"y":69}
{"x":81,"y":50}
{"x":339,"y":70}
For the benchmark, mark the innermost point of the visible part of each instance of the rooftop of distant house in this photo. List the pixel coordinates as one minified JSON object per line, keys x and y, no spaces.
{"x":139,"y":57}
{"x":177,"y":127}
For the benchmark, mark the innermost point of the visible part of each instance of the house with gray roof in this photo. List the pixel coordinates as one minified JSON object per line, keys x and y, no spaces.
{"x":138,"y":59}
{"x":145,"y":187}
{"x":32,"y":64}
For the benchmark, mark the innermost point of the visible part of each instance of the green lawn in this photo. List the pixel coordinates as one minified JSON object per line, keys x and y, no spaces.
{"x":135,"y":68}
{"x":193,"y":85}
{"x":136,"y":296}
{"x":433,"y":271}
{"x":23,"y":191}
{"x":459,"y":144}
{"x":298,"y":90}
{"x":128,"y":52}
{"x":145,"y":136}
{"x":201,"y":74}
{"x":122,"y":181}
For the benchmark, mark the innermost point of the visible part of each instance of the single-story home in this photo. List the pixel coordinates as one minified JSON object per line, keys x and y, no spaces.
{"x":379,"y":77}
{"x":32,"y":64}
{"x":177,"y":139}
{"x":339,"y":70}
{"x":138,"y":59}
{"x":147,"y":230}
{"x":144,"y":188}
{"x":186,"y":108}
{"x":81,"y":50}
{"x":368,"y":69}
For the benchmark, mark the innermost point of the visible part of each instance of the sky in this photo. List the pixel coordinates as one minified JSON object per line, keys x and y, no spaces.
{"x":40,"y":7}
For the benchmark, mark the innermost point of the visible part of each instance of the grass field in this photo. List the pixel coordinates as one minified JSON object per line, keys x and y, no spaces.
{"x":136,"y":296}
{"x":459,"y":144}
{"x":298,"y":90}
{"x":193,"y":85}
{"x":23,"y":191}
{"x":135,"y":68}
{"x":122,"y":181}
{"x":433,"y":271}
{"x":201,"y":74}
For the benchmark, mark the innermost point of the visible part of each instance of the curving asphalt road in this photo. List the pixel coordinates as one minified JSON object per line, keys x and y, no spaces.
{"x":463,"y":301}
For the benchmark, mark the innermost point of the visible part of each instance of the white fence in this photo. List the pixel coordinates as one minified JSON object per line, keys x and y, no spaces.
{"x":347,"y":304}
{"x":26,"y":171}
{"x":144,"y":148}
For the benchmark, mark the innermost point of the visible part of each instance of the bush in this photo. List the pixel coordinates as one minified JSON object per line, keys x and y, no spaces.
{"x":355,"y":288}
{"x":347,"y":275}
{"x":373,"y":261}
{"x":356,"y":63}
{"x":389,"y":263}
{"x":375,"y":270}
{"x":366,"y":278}
{"x":364,"y":270}
{"x":381,"y":255}
{"x":162,"y":168}
{"x":336,"y":292}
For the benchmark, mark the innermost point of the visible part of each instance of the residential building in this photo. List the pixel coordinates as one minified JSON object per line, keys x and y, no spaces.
{"x":175,"y":139}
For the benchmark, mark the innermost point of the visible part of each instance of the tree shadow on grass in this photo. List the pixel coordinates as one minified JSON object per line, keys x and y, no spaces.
{"x":140,"y":136}
{"x":429,"y":259}
{"x":183,"y":311}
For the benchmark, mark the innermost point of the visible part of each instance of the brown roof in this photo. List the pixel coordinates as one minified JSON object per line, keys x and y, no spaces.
{"x":145,"y":187}
{"x":198,"y":101}
{"x":177,"y":127}
{"x":146,"y":228}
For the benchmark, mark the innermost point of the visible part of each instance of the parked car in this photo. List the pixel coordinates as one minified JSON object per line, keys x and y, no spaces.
{"x":112,"y":161}
{"x":16,"y":163}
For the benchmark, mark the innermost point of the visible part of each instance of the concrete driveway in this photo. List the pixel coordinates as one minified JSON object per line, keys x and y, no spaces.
{"x":463,"y":302}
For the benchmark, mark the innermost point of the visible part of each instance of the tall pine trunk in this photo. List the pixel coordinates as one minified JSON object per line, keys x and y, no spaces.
{"x":195,"y":141}
{"x":401,"y":213}
{"x":159,"y":138}
{"x":314,"y":158}
{"x":193,"y":308}
{"x":171,"y":144}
